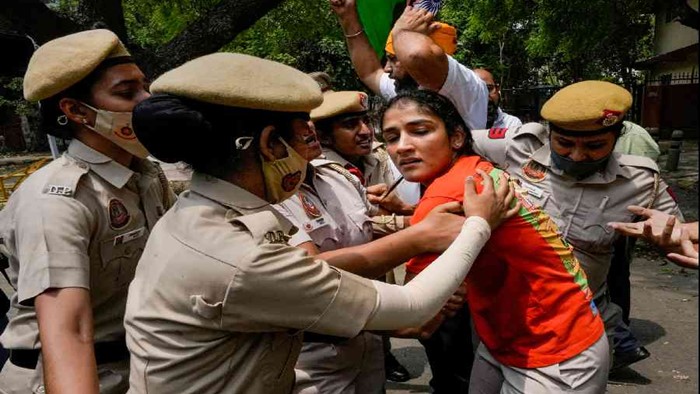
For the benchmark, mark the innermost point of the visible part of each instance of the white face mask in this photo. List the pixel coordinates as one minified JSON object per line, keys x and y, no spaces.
{"x":116,"y":127}
{"x":283,"y":177}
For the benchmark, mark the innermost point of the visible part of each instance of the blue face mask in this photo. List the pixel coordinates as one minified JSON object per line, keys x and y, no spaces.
{"x":578,"y":169}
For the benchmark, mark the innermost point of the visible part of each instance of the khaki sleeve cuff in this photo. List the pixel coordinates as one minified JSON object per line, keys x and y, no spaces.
{"x":74,"y":271}
{"x":354,"y":303}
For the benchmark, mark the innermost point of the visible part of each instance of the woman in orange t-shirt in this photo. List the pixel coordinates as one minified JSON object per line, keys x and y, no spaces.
{"x":528,"y":296}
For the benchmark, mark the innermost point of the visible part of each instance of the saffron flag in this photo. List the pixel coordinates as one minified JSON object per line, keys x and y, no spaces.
{"x":378,"y":17}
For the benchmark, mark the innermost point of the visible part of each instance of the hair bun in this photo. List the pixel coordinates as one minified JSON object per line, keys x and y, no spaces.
{"x":166,"y":125}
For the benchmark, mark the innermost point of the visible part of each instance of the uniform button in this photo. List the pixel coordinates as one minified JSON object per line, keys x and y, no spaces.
{"x":83,"y":166}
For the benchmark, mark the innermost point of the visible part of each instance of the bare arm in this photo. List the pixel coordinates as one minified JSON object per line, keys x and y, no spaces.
{"x":66,"y":334}
{"x":364,"y":59}
{"x":424,"y":60}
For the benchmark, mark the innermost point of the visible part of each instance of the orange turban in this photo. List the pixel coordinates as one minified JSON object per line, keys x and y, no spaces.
{"x":445,"y":37}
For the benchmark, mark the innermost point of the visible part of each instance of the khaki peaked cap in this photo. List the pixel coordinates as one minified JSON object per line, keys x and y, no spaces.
{"x":237,"y":80}
{"x":61,"y":63}
{"x":338,"y":103}
{"x":587,"y":106}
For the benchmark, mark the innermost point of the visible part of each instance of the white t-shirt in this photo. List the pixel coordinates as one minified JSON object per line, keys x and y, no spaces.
{"x":466,"y":90}
{"x":503,"y":120}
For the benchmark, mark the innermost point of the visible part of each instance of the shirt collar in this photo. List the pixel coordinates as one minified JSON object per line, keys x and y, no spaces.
{"x":226,"y":193}
{"x":102,"y":165}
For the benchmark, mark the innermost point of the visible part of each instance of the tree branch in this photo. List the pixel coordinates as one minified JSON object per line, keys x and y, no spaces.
{"x":108,"y":11}
{"x":33,"y":18}
{"x":207,"y":34}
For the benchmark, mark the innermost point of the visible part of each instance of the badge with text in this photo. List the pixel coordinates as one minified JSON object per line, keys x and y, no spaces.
{"x":119,"y":216}
{"x":130,"y":236}
{"x":310,"y":208}
{"x":534,"y":171}
{"x":312,"y":225}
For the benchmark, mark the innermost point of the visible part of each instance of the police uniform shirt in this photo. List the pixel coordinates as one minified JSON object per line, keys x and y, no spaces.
{"x":81,"y":221}
{"x":220,"y":299}
{"x":330,"y":212}
{"x":635,"y":140}
{"x":376,"y":168}
{"x":580,"y":208}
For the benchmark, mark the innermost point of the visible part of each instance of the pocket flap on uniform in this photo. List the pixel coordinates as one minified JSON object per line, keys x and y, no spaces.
{"x":205,"y":309}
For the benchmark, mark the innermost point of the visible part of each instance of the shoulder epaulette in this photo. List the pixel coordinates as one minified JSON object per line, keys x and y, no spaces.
{"x":533,"y":128}
{"x":638,"y":161}
{"x":263,"y":225}
{"x":64,"y":181}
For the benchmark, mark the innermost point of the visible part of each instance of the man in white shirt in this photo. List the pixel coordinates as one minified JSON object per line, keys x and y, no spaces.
{"x":418,"y":56}
{"x":495,"y":116}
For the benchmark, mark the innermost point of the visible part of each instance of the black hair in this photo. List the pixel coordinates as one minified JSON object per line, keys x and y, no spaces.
{"x":49,"y":108}
{"x":433,"y":104}
{"x":203,"y":135}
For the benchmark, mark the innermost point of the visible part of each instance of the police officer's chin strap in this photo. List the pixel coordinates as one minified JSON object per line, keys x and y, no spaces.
{"x":422,"y":298}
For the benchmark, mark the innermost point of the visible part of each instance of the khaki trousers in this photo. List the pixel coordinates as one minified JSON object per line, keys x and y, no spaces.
{"x":585,"y":373}
{"x":355,"y":366}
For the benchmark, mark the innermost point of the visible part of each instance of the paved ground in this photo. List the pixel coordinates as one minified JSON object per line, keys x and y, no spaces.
{"x":664,"y":313}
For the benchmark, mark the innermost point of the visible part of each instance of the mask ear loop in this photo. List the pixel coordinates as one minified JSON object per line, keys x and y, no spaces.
{"x":243,"y":143}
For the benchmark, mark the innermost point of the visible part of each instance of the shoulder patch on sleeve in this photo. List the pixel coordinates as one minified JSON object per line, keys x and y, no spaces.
{"x":533,"y":128}
{"x":263,"y":226}
{"x":64,"y":181}
{"x":497,"y":133}
{"x":638,"y":161}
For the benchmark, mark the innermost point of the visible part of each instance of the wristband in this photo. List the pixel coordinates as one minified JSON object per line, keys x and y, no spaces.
{"x":355,"y":34}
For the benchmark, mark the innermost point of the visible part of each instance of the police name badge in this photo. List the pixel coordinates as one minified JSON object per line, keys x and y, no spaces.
{"x":129,"y":236}
{"x":312,"y":225}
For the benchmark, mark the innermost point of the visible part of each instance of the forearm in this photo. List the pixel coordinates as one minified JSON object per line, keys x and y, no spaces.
{"x":364,"y":59}
{"x":421,"y":58}
{"x":417,"y":302}
{"x":378,"y":257}
{"x":384,"y":225}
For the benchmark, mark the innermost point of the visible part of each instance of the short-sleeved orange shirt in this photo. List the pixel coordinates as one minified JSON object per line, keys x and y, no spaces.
{"x":528,"y":295}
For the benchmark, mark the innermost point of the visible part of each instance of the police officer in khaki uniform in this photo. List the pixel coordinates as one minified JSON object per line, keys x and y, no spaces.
{"x":75,"y":229}
{"x":220,"y":300}
{"x":572,"y":172}
{"x":332,"y":212}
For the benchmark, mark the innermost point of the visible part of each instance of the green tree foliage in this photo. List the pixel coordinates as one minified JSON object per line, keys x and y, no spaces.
{"x":553,"y":41}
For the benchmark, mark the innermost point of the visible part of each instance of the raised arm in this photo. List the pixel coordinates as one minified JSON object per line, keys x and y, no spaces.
{"x":418,"y":54}
{"x":364,"y":59}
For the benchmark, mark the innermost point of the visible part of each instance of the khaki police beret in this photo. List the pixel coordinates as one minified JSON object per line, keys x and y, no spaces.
{"x":338,"y":103}
{"x":243,"y":81}
{"x":445,"y":37}
{"x":587,"y":106}
{"x":65,"y":61}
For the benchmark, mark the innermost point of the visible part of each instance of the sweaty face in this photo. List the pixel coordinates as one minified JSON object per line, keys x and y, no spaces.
{"x":418,"y":143}
{"x":352,"y":136}
{"x":118,"y":89}
{"x":304,"y":139}
{"x":589,"y":148}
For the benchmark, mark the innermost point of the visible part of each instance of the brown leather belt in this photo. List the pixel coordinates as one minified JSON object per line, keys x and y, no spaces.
{"x":105,"y":353}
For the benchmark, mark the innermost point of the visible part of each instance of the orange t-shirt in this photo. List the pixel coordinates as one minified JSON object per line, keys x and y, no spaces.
{"x":527,"y":293}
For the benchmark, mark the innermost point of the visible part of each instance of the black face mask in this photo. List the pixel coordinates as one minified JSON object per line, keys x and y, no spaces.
{"x":578,"y":169}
